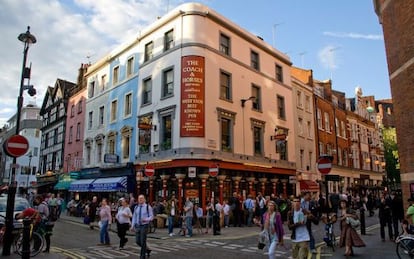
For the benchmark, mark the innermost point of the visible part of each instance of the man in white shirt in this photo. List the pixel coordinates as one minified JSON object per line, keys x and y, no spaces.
{"x":300,"y":235}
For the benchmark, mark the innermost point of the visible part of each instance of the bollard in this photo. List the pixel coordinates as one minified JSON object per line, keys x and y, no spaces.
{"x":26,"y":239}
{"x":362,"y":220}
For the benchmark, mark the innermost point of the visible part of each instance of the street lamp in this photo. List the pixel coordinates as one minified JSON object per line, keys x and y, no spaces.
{"x":243,"y":101}
{"x":29,"y":172}
{"x":27,"y":38}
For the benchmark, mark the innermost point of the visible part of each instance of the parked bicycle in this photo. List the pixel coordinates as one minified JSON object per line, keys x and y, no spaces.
{"x":405,"y":246}
{"x":36,"y":240}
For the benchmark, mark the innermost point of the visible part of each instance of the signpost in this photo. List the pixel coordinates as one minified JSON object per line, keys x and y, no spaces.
{"x":213,"y":170}
{"x":149,"y":170}
{"x":324,"y":165}
{"x":16,"y":146}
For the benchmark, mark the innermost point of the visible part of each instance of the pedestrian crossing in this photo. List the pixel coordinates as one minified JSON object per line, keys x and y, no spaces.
{"x":162,"y":248}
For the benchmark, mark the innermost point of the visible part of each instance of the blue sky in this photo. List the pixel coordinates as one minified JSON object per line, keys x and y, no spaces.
{"x":341,"y":40}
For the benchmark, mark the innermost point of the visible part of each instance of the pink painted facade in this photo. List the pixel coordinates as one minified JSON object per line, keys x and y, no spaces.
{"x":75,"y":125}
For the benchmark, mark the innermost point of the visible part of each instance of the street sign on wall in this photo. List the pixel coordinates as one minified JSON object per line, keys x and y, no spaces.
{"x":213,"y":170}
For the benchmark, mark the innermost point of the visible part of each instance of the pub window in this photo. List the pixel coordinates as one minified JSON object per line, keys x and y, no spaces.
{"x":258,"y":140}
{"x":168,"y":40}
{"x":168,"y":82}
{"x":166,"y":132}
{"x":225,"y":85}
{"x":224,"y":44}
{"x":254,"y":60}
{"x":226,"y":134}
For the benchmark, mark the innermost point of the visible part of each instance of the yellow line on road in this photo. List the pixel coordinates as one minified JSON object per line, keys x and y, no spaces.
{"x":67,"y":253}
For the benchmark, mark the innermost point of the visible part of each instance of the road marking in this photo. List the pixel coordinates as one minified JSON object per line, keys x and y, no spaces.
{"x":67,"y":253}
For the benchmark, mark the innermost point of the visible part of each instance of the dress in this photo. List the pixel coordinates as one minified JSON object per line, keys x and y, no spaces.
{"x":349,"y":236}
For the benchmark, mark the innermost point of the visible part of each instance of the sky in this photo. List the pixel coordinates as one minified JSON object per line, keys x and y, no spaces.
{"x":338,"y":40}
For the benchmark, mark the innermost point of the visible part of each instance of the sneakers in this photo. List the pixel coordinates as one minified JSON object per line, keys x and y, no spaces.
{"x":187,"y":236}
{"x":171,"y":234}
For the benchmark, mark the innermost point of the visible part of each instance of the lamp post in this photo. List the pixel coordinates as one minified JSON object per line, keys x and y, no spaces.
{"x":243,"y":102}
{"x":27,"y":38}
{"x":29,"y":172}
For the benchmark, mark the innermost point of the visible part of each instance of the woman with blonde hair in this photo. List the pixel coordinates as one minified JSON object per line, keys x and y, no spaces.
{"x":274,"y":227}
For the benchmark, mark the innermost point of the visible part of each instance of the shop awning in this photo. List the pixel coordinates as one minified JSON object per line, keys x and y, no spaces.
{"x":309,"y":186}
{"x":62,"y":185}
{"x":111,"y":184}
{"x":82,"y":185}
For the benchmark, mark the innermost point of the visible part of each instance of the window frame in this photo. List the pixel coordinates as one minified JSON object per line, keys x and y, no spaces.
{"x":225,"y":44}
{"x":146,"y":94}
{"x":225,"y":85}
{"x":254,"y":60}
{"x":169,"y":40}
{"x":281,"y":107}
{"x":167,"y":85}
{"x":149,"y":51}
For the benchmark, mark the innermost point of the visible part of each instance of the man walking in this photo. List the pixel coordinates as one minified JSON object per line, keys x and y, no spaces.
{"x":141,"y":217}
{"x":300,"y":235}
{"x":188,"y":209}
{"x":172,"y":212}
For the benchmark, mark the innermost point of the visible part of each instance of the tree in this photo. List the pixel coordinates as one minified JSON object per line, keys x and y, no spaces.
{"x":392,"y":164}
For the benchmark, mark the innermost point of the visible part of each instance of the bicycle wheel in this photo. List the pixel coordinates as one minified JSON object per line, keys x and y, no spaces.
{"x":403,"y":250}
{"x":36,"y":244}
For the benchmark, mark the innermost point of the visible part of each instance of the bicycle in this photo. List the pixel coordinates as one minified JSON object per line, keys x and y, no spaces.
{"x":405,"y":246}
{"x":36,"y":242}
{"x":329,"y":237}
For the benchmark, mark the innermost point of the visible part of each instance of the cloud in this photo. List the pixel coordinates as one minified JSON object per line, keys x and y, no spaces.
{"x":67,"y":33}
{"x":328,"y":57}
{"x":353,"y":35}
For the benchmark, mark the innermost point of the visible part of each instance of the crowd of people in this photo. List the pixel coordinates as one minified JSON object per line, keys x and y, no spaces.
{"x":269,"y":213}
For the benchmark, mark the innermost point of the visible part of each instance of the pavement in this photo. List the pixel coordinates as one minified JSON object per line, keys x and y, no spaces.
{"x":374,"y":247}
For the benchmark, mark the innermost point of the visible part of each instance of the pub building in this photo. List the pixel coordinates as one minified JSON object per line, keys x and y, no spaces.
{"x":204,"y":112}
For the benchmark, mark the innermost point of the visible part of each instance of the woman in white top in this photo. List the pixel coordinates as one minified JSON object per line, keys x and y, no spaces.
{"x":123,"y":219}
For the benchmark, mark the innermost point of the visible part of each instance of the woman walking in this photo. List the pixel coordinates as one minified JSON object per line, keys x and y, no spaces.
{"x":123,"y":218}
{"x":349,"y":236}
{"x":105,"y":220}
{"x":274,"y":227}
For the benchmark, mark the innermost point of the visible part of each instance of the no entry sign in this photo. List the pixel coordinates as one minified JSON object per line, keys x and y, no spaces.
{"x":324,"y":165}
{"x":213,"y":170}
{"x":149,"y":170}
{"x":16,"y":146}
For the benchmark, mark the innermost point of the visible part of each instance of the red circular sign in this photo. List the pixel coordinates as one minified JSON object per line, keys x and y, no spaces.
{"x":149,"y":170}
{"x":213,"y":170}
{"x":324,"y":165}
{"x":16,"y":146}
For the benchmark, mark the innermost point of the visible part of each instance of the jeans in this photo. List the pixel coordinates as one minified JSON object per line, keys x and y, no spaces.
{"x":103,"y":234}
{"x":226,"y":220}
{"x":141,"y":238}
{"x":249,"y":217}
{"x":272,"y":247}
{"x":170,"y":224}
{"x":189,"y":223}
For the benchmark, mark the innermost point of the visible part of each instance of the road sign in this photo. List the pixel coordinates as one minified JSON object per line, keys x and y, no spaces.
{"x":149,"y":170}
{"x":16,"y":146}
{"x":324,"y":165}
{"x":213,"y":170}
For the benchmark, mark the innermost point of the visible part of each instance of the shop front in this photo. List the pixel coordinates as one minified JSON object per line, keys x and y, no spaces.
{"x":201,"y":181}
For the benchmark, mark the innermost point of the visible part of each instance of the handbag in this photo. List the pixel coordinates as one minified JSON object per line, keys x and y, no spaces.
{"x":263,"y":239}
{"x":86,"y":220}
{"x":354,"y":223}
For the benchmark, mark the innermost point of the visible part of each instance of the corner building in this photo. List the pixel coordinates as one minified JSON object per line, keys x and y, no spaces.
{"x":210,"y":96}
